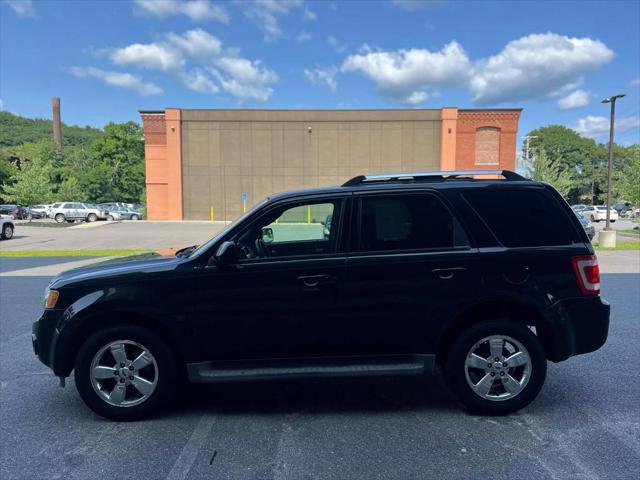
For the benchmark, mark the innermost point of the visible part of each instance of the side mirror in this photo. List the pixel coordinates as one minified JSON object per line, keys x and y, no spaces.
{"x":226,"y":254}
{"x":267,"y":235}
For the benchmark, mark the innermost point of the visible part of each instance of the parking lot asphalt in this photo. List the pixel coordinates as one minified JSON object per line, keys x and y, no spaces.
{"x":585,"y":423}
{"x":112,"y":235}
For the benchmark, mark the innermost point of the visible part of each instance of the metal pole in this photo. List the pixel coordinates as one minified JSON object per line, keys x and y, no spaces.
{"x":610,"y":166}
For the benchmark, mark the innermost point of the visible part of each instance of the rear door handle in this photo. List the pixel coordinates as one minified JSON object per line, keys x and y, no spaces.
{"x":447,"y":273}
{"x":315,"y":280}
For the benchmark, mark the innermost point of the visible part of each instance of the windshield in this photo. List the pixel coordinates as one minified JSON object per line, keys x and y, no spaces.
{"x":209,"y":243}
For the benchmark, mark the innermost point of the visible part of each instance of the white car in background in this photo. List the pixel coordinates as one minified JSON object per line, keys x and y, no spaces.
{"x":596,"y":213}
{"x":70,"y":211}
{"x":43,"y":210}
{"x":6,"y":227}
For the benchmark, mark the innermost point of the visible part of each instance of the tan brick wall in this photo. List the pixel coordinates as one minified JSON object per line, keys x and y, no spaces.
{"x":226,"y":153}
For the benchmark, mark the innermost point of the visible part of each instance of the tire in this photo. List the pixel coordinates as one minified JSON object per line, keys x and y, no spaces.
{"x":161,"y":371}
{"x":92,"y":217}
{"x":135,"y":217}
{"x":498,"y":400}
{"x":60,"y":218}
{"x":110,"y":218}
{"x":613,"y":221}
{"x":7,"y":232}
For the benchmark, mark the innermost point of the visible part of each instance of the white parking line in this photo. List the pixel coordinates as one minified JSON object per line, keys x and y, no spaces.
{"x":189,"y":453}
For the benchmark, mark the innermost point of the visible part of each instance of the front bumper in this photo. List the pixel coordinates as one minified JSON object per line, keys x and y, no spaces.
{"x":44,"y":336}
{"x":576,"y":326}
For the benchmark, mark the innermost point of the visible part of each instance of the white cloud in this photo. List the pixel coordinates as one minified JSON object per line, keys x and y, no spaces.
{"x":201,"y":63}
{"x":326,"y":77}
{"x":636,"y":82}
{"x":576,"y":99}
{"x":118,"y":79}
{"x":22,"y":8}
{"x":413,"y":5}
{"x":409,"y":76}
{"x":196,"y":10}
{"x":536,"y":66}
{"x":309,"y":14}
{"x":198,"y":81}
{"x":198,"y":44}
{"x":265,"y":12}
{"x":244,"y":78}
{"x":151,"y":56}
{"x":303,"y":37}
{"x":592,"y":126}
{"x":336,"y":45}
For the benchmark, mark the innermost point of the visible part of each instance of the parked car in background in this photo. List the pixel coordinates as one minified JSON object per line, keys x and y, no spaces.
{"x":596,"y":213}
{"x":16,"y":212}
{"x":119,"y":213}
{"x":6,"y":227}
{"x":43,"y":210}
{"x":70,"y":211}
{"x":587,"y":225}
{"x":579,"y":208}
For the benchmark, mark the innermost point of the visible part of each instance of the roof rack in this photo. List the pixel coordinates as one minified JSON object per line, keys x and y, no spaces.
{"x":429,"y":176}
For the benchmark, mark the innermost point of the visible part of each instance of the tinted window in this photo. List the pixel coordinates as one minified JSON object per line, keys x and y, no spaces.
{"x":296,"y":230}
{"x":408,"y":222}
{"x":522,"y":218}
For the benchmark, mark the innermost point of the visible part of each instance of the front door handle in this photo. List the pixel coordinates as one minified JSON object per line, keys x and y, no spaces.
{"x":315,"y":280}
{"x":447,"y":273}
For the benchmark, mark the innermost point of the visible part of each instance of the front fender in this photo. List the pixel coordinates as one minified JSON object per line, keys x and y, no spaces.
{"x":104,"y":308}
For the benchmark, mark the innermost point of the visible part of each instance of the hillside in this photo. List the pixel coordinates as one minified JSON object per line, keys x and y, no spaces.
{"x":16,"y":130}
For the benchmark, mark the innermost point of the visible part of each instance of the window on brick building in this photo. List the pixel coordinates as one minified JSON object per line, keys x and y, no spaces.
{"x":487,"y":146}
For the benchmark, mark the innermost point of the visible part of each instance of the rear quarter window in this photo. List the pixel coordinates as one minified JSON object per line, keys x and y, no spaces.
{"x":522,"y":217}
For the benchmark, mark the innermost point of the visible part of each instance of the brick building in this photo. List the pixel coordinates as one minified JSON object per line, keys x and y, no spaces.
{"x":227,"y":160}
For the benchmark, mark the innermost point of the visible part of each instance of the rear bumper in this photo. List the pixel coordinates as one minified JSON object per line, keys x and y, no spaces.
{"x":576,"y":326}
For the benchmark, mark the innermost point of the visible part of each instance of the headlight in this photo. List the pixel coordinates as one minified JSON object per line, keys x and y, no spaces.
{"x":50,"y":298}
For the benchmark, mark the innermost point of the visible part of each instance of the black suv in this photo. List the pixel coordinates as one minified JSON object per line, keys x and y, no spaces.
{"x":487,"y":278}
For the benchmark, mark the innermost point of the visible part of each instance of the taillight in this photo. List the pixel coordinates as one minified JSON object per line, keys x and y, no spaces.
{"x":587,"y":273}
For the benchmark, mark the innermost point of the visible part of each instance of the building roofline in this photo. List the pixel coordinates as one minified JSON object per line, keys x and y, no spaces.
{"x":490,"y":109}
{"x":157,"y":112}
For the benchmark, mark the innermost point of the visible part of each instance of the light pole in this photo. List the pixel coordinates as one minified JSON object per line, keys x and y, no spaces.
{"x":612,"y":101}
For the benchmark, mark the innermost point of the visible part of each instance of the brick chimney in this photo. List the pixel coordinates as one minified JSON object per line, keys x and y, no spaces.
{"x":57,"y":124}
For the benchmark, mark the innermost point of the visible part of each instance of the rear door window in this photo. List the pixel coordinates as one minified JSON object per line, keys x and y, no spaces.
{"x":522,"y":218}
{"x":408,"y":222}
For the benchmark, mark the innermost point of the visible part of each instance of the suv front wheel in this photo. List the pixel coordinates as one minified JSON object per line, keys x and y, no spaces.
{"x":496,"y":367}
{"x":125,"y":372}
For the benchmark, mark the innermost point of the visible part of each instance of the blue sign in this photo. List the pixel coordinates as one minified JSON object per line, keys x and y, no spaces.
{"x":244,"y":196}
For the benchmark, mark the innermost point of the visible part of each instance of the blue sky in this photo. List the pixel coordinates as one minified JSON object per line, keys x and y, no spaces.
{"x":107,"y":60}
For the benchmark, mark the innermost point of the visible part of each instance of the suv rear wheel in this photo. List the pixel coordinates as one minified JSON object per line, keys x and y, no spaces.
{"x":92,"y":217}
{"x":125,"y":372}
{"x":60,"y":218}
{"x":496,"y":367}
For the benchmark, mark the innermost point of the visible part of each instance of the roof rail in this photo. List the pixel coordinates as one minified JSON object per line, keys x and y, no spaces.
{"x":426,"y":176}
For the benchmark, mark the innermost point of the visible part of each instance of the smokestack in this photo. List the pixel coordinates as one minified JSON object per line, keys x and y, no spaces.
{"x":57,"y":124}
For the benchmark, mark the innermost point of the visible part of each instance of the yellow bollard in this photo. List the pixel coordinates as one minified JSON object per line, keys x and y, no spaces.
{"x":308,"y":214}
{"x":211,"y":213}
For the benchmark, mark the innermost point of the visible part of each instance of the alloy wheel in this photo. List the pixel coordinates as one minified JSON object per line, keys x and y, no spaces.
{"x":124,"y":373}
{"x":498,"y":368}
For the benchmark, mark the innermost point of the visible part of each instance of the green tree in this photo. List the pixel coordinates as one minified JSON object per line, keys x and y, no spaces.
{"x":71,"y":190}
{"x":576,"y":155}
{"x":626,"y":185}
{"x":31,"y":182}
{"x":544,"y":169}
{"x":120,"y":156}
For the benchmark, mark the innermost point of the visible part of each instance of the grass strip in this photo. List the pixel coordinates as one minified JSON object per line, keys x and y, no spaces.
{"x":624,"y":245}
